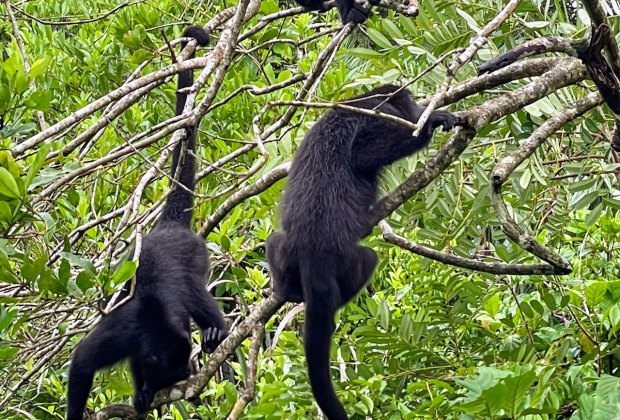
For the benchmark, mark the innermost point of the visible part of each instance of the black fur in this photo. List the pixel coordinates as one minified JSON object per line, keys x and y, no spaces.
{"x":349,"y":10}
{"x":331,"y":188}
{"x":152,"y":329}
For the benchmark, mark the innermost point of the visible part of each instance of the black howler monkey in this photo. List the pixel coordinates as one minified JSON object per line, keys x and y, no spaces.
{"x":326,"y":210}
{"x":349,"y":10}
{"x":152,"y":329}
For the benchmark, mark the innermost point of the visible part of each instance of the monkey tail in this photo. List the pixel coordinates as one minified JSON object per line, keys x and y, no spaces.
{"x":322,"y":300}
{"x":178,"y":207}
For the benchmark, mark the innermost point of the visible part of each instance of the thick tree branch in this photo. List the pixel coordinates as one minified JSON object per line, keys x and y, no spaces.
{"x":533,"y":47}
{"x":509,"y":163}
{"x":519,"y":70}
{"x":564,"y":74}
{"x":602,"y":73}
{"x":475,"y":44}
{"x":468,"y":263}
{"x":599,"y":19}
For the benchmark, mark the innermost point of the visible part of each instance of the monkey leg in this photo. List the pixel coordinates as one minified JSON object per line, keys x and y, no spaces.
{"x":109,"y":343}
{"x":355,"y":272}
{"x":136,"y":373}
{"x":284,"y":272}
{"x":143,"y":396}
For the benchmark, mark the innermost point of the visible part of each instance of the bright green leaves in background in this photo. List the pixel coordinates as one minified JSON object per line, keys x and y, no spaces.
{"x":17,"y":100}
{"x":430,"y":341}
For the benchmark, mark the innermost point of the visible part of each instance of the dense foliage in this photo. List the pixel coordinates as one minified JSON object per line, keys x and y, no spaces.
{"x":429,"y":340}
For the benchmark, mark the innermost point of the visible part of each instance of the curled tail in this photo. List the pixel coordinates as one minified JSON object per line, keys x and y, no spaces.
{"x":322,"y":300}
{"x":180,"y":201}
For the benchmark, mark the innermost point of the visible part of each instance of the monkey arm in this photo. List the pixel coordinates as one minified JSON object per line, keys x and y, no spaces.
{"x":381,"y":143}
{"x":204,"y":311}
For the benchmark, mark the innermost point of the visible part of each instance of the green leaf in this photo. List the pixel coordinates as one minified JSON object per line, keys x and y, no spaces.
{"x":595,"y":293}
{"x":378,"y":38}
{"x":6,"y":317}
{"x":37,"y":164}
{"x":550,"y":301}
{"x":365,"y":53}
{"x":383,"y":314}
{"x":613,"y":315}
{"x":585,"y":200}
{"x":39,"y":66}
{"x":516,"y":389}
{"x":6,"y":213}
{"x":392,"y":29}
{"x":80,"y":262}
{"x":471,"y":22}
{"x":608,"y":387}
{"x":527,"y":309}
{"x":39,"y":100}
{"x":8,"y":186}
{"x":64,"y":271}
{"x":124,"y":272}
{"x":5,"y":97}
{"x":7,"y":352}
{"x":537,"y":306}
{"x":595,"y":214}
{"x":526,"y":177}
{"x":84,"y":281}
{"x":225,"y":243}
{"x":492,"y":304}
{"x":536,"y":25}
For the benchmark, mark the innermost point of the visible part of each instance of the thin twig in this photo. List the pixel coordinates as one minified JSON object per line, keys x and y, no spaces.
{"x":252,"y":367}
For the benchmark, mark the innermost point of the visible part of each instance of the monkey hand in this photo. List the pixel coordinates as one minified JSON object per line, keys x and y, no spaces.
{"x":212,"y":337}
{"x":441,"y":119}
{"x":143,"y":399}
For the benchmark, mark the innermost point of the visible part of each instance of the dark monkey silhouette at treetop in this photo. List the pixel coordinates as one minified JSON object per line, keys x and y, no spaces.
{"x":349,"y":10}
{"x":326,"y":210}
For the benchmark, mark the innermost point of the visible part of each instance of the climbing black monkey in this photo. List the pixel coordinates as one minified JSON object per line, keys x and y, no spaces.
{"x":152,"y":329}
{"x":349,"y":10}
{"x":326,"y":210}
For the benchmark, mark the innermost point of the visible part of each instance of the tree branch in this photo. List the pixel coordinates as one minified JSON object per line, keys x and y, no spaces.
{"x":509,"y":163}
{"x":475,"y":44}
{"x":455,"y":260}
{"x":599,"y":19}
{"x":533,"y":47}
{"x":250,"y":381}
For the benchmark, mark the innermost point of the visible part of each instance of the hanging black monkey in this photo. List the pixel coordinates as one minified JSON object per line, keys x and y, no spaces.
{"x":152,"y":329}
